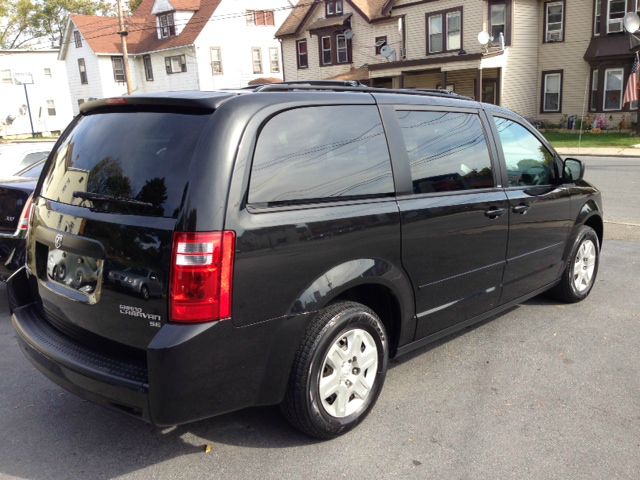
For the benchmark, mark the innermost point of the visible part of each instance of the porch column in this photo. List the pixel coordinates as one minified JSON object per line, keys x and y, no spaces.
{"x":479,"y":85}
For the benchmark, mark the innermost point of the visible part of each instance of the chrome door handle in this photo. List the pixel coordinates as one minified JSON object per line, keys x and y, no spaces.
{"x":521,"y":209}
{"x":494,"y":212}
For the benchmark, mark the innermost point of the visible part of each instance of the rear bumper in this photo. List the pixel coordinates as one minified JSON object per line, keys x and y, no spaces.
{"x":191,"y":371}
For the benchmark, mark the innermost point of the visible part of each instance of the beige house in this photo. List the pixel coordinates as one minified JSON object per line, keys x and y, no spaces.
{"x":544,"y":59}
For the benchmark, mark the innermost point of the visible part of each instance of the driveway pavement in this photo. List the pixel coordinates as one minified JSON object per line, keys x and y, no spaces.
{"x":546,"y":390}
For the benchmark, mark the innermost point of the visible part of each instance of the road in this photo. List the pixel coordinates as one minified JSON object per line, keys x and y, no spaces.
{"x":546,"y":390}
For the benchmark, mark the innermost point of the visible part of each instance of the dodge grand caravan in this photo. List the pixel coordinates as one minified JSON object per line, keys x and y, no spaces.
{"x":299,"y":236}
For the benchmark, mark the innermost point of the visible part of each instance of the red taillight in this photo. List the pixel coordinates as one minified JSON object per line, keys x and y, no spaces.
{"x":116,"y":101}
{"x":23,"y":224}
{"x":202,"y":276}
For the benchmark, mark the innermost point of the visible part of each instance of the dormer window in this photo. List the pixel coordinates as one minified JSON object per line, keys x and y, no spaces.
{"x":333,"y":7}
{"x":167,"y":25}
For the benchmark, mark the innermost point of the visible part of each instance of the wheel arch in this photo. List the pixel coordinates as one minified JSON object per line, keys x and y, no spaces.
{"x":590,"y":215}
{"x":376,"y":283}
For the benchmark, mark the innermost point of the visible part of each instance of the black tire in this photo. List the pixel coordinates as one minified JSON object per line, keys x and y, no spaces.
{"x":144,"y":292}
{"x":302,"y":405}
{"x":566,"y":290}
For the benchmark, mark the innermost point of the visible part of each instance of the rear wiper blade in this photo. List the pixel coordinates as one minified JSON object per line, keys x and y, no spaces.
{"x":99,"y":197}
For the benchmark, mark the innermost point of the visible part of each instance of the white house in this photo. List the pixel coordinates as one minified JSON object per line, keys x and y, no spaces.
{"x":47,"y":92}
{"x":175,"y":45}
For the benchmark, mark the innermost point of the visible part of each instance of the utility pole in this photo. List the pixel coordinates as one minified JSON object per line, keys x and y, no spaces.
{"x":125,"y":53}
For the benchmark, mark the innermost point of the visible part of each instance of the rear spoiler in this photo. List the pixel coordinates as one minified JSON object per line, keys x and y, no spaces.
{"x":197,"y":102}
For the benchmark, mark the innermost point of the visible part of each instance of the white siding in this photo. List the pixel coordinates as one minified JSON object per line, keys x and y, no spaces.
{"x":12,"y":97}
{"x":163,"y":81}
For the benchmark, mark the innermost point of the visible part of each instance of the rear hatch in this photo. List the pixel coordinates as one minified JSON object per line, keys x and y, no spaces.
{"x":102,"y":228}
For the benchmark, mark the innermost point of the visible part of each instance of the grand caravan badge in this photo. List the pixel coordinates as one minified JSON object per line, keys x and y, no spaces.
{"x":154,"y":320}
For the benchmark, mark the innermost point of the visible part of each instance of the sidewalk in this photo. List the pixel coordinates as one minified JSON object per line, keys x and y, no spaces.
{"x":599,"y":152}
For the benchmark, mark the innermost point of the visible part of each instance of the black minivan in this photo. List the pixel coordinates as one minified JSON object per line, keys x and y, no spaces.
{"x":298,"y":236}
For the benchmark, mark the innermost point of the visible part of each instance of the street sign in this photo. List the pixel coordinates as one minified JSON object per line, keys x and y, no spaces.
{"x":23,"y":78}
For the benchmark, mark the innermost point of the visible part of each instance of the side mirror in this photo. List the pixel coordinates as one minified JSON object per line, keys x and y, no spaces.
{"x":573,"y":170}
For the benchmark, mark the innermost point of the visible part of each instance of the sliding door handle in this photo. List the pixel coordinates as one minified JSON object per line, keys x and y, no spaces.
{"x":495,"y":212}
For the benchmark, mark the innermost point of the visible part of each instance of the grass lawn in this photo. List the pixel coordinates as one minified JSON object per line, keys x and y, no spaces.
{"x":560,"y":140}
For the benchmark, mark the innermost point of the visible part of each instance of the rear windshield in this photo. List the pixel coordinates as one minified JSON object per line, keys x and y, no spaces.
{"x":128,"y":162}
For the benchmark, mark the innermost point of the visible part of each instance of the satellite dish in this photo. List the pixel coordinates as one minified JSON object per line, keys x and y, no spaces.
{"x":484,"y":38}
{"x":632,"y":22}
{"x":387,"y":52}
{"x":348,"y":34}
{"x":381,"y":43}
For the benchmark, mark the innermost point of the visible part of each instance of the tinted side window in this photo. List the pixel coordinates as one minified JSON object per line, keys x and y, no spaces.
{"x":317,"y":153}
{"x":528,"y":161}
{"x":447,"y":151}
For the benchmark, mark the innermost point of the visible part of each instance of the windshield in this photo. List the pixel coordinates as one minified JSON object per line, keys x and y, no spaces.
{"x":138,"y":156}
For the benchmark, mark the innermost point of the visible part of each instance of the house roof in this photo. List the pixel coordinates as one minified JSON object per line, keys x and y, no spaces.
{"x":336,"y":21}
{"x":370,"y":9}
{"x":101,"y":33}
{"x":360,"y":73}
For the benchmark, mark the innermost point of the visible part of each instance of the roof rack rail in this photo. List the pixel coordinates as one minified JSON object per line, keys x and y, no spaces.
{"x":354,"y":86}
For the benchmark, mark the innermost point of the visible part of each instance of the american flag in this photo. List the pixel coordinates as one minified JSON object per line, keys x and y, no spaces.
{"x":631,"y":93}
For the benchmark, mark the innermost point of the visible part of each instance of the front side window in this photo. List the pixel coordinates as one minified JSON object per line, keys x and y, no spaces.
{"x":302,"y":55}
{"x":51,"y":108}
{"x":593,"y":106}
{"x":528,"y":161}
{"x":148,"y":68}
{"x":613,"y":85}
{"x":216,"y":61}
{"x":440,"y":161}
{"x":616,"y":10}
{"x":325,"y":51}
{"x":117,"y":63}
{"x":175,"y":64}
{"x":554,"y":22}
{"x":82,"y":69}
{"x":256,"y":59}
{"x":274,"y":60}
{"x":167,"y":25}
{"x":552,"y":84}
{"x":321,"y":153}
{"x":77,"y":39}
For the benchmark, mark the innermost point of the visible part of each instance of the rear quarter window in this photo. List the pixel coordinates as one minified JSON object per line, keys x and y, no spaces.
{"x":139,"y":156}
{"x":321,"y":153}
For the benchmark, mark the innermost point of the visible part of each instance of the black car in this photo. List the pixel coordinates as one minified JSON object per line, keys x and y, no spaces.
{"x":303,"y":234}
{"x":15,"y":206}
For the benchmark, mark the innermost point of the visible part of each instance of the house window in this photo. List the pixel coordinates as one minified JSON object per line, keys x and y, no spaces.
{"x":256,"y":58}
{"x":616,"y":10}
{"x":380,"y":42}
{"x":5,"y":76}
{"x":597,"y":16}
{"x":342,"y":52}
{"x":167,"y":25}
{"x":175,"y":64}
{"x":83,"y":71}
{"x":593,"y":106}
{"x":118,"y":69}
{"x":454,"y":30}
{"x":260,"y":17}
{"x":444,"y":31}
{"x":325,"y":50}
{"x":274,"y":60}
{"x":500,"y":20}
{"x":435,"y":33}
{"x":77,"y":39}
{"x":47,"y":72}
{"x":333,"y":7}
{"x":51,"y":108}
{"x":303,"y":56}
{"x":554,"y":22}
{"x":613,"y":83}
{"x":148,"y":68}
{"x":552,"y":92}
{"x":216,"y":60}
